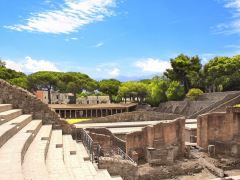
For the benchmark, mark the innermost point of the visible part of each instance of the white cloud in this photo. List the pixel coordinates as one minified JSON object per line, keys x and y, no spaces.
{"x":30,"y":65}
{"x":206,"y":57}
{"x":70,"y":17}
{"x":107,"y":70}
{"x":99,"y":44}
{"x":74,"y":38}
{"x":233,"y":26}
{"x":153,"y":65}
{"x":114,"y":72}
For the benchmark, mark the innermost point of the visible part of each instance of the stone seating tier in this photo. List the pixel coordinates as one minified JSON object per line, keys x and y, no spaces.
{"x":30,"y":150}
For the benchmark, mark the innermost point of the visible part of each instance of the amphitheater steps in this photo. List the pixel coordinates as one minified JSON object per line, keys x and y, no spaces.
{"x":55,"y":163}
{"x":70,"y":158}
{"x":30,"y":150}
{"x":6,"y":116}
{"x":83,"y":151}
{"x":5,"y":107}
{"x":34,"y":166}
{"x":13,"y":151}
{"x":10,"y":128}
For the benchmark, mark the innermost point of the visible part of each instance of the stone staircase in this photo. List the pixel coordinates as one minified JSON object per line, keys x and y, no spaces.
{"x":33,"y":151}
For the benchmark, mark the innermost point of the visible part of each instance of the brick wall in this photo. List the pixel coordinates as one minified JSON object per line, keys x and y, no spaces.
{"x":219,"y":129}
{"x":163,"y":134}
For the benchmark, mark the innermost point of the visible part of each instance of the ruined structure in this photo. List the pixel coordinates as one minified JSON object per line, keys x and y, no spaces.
{"x":56,"y":97}
{"x":94,"y":100}
{"x":160,"y":143}
{"x":220,"y":131}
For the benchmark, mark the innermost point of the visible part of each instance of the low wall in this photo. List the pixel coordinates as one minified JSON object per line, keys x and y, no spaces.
{"x":135,"y":116}
{"x":116,"y":166}
{"x":28,"y":102}
{"x":163,"y":134}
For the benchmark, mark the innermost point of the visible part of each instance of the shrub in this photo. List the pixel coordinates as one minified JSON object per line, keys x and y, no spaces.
{"x":194,"y":93}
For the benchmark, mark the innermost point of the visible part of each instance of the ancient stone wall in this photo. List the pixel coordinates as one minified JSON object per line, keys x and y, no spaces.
{"x":161,"y":135}
{"x":221,"y":130}
{"x":28,"y":102}
{"x":103,"y":140}
{"x":134,"y":116}
{"x":116,"y":166}
{"x":113,"y":141}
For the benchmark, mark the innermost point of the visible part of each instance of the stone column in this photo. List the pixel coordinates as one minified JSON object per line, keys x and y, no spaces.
{"x":70,"y":113}
{"x":75,"y":113}
{"x":65,"y":113}
{"x":101,"y":113}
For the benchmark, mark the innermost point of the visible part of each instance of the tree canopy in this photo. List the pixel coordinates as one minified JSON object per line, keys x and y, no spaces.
{"x":187,"y":74}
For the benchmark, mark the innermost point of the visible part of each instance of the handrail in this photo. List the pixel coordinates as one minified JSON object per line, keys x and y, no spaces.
{"x":97,"y":151}
{"x":124,"y":155}
{"x":88,"y":143}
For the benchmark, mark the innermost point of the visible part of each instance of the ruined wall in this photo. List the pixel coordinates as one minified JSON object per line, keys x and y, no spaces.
{"x":219,"y":129}
{"x":28,"y":102}
{"x":116,"y":166}
{"x":103,"y":140}
{"x":113,"y":141}
{"x":134,"y":116}
{"x":164,"y":134}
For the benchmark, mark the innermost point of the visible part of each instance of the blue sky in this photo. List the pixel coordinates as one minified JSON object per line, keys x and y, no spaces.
{"x":124,"y":39}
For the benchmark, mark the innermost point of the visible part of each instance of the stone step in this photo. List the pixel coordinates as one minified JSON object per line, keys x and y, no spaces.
{"x":5,"y":107}
{"x":74,"y":166}
{"x":9,"y":115}
{"x":103,"y":174}
{"x":81,"y":148}
{"x":34,"y":166}
{"x":55,"y":164}
{"x":10,"y":128}
{"x":116,"y":178}
{"x":13,"y":151}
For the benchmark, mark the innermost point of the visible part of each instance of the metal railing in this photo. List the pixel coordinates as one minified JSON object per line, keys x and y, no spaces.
{"x":121,"y":153}
{"x":95,"y":151}
{"x":88,"y":143}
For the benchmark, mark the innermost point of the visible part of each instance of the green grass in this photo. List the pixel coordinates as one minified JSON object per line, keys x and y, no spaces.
{"x":73,"y":121}
{"x":237,"y":105}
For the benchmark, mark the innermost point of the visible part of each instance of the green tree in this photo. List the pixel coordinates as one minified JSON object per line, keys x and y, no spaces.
{"x":157,"y":91}
{"x":20,"y":81}
{"x":109,"y":87}
{"x":185,"y":70}
{"x":12,"y":76}
{"x":175,"y":91}
{"x":75,"y":82}
{"x":44,"y":80}
{"x":222,"y":73}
